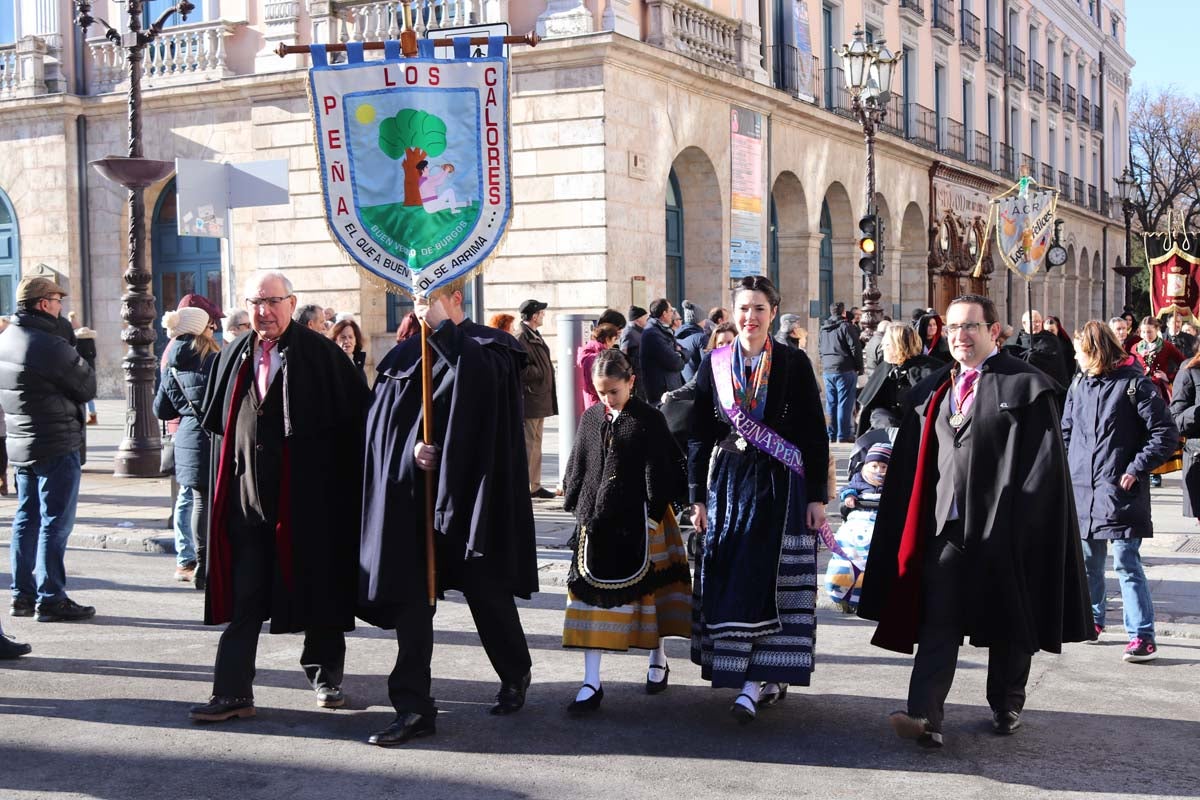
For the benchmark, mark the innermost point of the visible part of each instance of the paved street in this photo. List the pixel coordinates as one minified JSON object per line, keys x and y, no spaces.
{"x":99,"y":709}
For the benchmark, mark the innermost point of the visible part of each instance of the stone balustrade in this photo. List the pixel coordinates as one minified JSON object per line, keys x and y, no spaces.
{"x":183,"y":54}
{"x":382,"y":19}
{"x":702,"y":35}
{"x":23,"y":68}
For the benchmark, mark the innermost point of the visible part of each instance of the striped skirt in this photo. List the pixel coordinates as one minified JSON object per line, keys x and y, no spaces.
{"x":664,"y":609}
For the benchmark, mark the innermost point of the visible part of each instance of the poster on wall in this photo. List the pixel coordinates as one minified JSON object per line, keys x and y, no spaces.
{"x":746,"y":186}
{"x":804,"y":59}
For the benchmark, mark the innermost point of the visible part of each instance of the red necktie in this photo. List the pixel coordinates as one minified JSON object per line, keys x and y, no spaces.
{"x":965,"y":394}
{"x":262,"y":375}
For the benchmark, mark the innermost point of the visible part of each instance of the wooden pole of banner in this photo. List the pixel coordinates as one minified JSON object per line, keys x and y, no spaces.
{"x":530,"y":39}
{"x":430,"y":481}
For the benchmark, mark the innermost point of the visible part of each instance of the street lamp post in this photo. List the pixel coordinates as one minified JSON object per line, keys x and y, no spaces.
{"x":1125,"y":189}
{"x":870,"y":68}
{"x":139,"y":453}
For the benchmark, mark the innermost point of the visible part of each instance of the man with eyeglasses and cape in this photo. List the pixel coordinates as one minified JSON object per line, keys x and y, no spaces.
{"x":977,"y":534}
{"x":283,"y":539}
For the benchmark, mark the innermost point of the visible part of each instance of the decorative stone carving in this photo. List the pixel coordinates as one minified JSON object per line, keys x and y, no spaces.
{"x":564,"y":18}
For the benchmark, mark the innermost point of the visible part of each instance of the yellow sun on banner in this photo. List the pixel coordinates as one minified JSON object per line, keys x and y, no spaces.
{"x":365,"y":114}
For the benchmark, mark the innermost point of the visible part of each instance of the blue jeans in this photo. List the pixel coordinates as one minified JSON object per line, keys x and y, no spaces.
{"x":1135,"y":592}
{"x":47,"y":494}
{"x":840,"y":391}
{"x":185,"y":551}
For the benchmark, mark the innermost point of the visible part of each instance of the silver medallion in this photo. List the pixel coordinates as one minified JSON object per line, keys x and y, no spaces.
{"x":957,"y":420}
{"x":741,"y":444}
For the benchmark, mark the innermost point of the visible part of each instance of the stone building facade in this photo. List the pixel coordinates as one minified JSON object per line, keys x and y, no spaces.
{"x":629,"y":178}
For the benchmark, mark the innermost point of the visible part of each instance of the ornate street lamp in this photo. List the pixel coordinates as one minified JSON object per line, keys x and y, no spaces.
{"x":139,"y":452}
{"x":1126,"y":186}
{"x":870,"y":69}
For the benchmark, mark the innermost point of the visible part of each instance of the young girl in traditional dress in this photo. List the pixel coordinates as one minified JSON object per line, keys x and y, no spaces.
{"x":628,"y":586}
{"x":757,"y":466}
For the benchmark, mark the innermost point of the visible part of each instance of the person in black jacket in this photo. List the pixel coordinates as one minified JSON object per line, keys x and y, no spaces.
{"x":44,"y":386}
{"x":348,"y":336}
{"x":1117,"y":429}
{"x":188,"y":363}
{"x":663,"y":358}
{"x":841,"y":361}
{"x":692,"y":338}
{"x":904,"y":367}
{"x":541,"y":399}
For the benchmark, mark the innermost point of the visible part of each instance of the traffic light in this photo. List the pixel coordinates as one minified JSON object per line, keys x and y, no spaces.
{"x":869,"y":245}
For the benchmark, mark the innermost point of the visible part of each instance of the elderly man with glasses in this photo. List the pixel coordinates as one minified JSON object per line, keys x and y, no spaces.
{"x":283,"y":538}
{"x":44,"y":388}
{"x":976,"y":534}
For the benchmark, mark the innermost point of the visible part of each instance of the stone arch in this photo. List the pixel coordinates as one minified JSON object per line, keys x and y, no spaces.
{"x":1083,"y":267}
{"x":1071,"y":312}
{"x":913,"y":253}
{"x":842,"y":245}
{"x":790,"y":240}
{"x":703,"y":214}
{"x":10,"y":255}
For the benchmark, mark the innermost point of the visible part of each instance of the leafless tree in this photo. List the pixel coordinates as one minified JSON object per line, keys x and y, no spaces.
{"x":1164,"y":140}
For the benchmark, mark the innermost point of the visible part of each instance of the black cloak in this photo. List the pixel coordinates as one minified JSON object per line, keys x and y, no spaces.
{"x":1026,"y":582}
{"x":482,"y":507}
{"x":324,"y":407}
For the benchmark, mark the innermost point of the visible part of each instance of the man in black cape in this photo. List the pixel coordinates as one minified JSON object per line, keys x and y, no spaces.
{"x":286,"y":410}
{"x":483,"y":516}
{"x":976,"y":534}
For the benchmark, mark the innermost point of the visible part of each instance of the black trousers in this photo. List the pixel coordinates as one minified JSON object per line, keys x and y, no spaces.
{"x":941,"y":633}
{"x":253,"y":570}
{"x":495,"y":613}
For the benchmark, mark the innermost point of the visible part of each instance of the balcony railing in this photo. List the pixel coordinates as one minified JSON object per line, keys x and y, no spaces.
{"x":995,"y":48}
{"x":1047,"y":175}
{"x":184,"y":54}
{"x":1079,"y":197}
{"x":1055,"y":89}
{"x":922,"y":125}
{"x":23,"y":68}
{"x":969,"y":30}
{"x":893,"y":120}
{"x":695,"y":32}
{"x":794,"y":72}
{"x":381,"y":19}
{"x":1016,"y":63}
{"x":954,"y":139}
{"x":1093,"y":198}
{"x":1064,"y":185}
{"x":1029,"y":165}
{"x":1037,"y":78}
{"x":1106,"y":205}
{"x":981,"y":149}
{"x":943,"y":16}
{"x":836,"y":95}
{"x":1007,"y":166}
{"x":1069,"y":102}
{"x":915,"y":6}
{"x":1085,"y":111}
{"x":1097,"y":119}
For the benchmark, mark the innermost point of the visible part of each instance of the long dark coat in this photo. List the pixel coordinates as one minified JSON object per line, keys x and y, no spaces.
{"x":1109,"y":434}
{"x":324,"y":406}
{"x":1185,"y":411}
{"x":482,"y":496}
{"x":889,"y":385}
{"x":537,"y":376}
{"x":1025,"y":585}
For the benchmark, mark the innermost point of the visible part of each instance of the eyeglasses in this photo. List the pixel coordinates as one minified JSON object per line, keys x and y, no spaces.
{"x":967,"y":327}
{"x":54,"y":298}
{"x":270,"y":302}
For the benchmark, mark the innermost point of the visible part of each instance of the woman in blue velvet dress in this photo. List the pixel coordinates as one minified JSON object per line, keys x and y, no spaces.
{"x":756,"y":428}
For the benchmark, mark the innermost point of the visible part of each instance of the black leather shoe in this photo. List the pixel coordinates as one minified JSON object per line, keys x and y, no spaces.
{"x":772,"y":694}
{"x":743,"y":714}
{"x":65,"y":610}
{"x":542,"y":494}
{"x":219,"y":709}
{"x":591,"y":703}
{"x":657,"y":687}
{"x":331,"y":697}
{"x":406,"y":726}
{"x":10,"y":648}
{"x":511,"y":697}
{"x":1005,"y":723}
{"x":908,"y":726}
{"x":21,"y":607}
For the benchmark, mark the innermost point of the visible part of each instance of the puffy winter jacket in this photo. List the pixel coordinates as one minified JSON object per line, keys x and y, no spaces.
{"x":44,"y":384}
{"x":838,"y":346}
{"x":181,"y":394}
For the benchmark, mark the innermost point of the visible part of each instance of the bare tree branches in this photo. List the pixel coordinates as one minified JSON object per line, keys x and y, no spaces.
{"x":1164,"y":140}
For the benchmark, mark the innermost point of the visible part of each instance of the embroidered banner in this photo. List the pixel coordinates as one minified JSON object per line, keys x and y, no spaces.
{"x":415,"y":160}
{"x":1024,"y":226}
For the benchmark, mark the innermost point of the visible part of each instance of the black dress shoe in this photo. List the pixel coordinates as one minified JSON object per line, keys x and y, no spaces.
{"x":589,"y":704}
{"x":404,"y":727}
{"x":511,"y":697}
{"x":10,"y":648}
{"x":1005,"y":723}
{"x":771,"y":696}
{"x":542,"y":494}
{"x":657,"y":687}
{"x":21,"y":607}
{"x":744,"y":714}
{"x":219,"y":709}
{"x":65,"y":610}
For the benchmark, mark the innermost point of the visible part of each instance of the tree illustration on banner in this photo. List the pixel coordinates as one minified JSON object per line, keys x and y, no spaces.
{"x":417,"y":136}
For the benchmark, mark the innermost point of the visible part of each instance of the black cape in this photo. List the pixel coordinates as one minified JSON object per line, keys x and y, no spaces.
{"x":482,"y":507}
{"x":1026,"y":579}
{"x":325,"y":405}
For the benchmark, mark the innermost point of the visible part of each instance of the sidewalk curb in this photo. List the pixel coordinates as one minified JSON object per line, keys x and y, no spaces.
{"x":132,"y":542}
